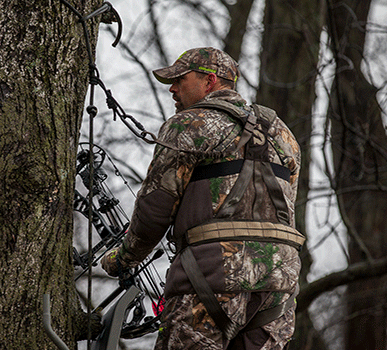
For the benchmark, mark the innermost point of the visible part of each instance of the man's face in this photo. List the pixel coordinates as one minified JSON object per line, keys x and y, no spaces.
{"x":188,"y":89}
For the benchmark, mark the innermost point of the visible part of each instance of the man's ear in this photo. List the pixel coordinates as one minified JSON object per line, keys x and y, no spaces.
{"x":211,"y":81}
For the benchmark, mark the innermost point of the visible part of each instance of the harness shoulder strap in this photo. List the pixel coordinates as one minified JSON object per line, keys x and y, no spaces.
{"x":275,"y":192}
{"x":248,"y":119}
{"x":264,"y":112}
{"x":229,"y":205}
{"x":224,"y":106}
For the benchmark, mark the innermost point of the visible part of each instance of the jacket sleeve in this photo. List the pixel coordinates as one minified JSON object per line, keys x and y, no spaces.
{"x":159,"y":196}
{"x":168,"y":176}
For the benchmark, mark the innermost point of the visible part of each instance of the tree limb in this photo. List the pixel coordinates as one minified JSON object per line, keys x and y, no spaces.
{"x":355,"y":272}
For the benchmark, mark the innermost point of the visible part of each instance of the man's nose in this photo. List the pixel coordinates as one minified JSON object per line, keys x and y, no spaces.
{"x":173,"y":89}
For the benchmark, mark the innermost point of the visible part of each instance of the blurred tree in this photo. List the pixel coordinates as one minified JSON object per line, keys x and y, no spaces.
{"x":289,"y":68}
{"x":282,"y":63}
{"x":360,"y":169}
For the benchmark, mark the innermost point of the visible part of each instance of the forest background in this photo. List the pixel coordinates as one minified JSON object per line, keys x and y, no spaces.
{"x":320,"y":64}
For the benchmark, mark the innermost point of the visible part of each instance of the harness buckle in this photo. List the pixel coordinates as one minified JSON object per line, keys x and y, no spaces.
{"x":231,"y":330}
{"x":283,"y":216}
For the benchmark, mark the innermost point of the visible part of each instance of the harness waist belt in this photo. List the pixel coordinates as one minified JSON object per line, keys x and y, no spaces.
{"x":218,"y":231}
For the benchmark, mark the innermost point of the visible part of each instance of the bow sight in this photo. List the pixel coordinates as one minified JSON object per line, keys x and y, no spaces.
{"x":128,"y":317}
{"x":108,"y":219}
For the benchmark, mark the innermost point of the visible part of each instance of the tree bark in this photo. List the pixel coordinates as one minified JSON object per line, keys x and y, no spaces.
{"x":43,"y":83}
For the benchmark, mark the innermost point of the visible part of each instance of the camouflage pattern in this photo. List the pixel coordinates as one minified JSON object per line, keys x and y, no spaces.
{"x":187,"y":325}
{"x":246,"y":266}
{"x":204,"y":60}
{"x":259,"y":266}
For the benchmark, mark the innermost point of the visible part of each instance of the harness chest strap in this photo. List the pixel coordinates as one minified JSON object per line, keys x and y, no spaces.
{"x":225,"y":230}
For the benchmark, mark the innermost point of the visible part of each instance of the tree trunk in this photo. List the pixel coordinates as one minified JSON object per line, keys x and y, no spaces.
{"x":239,"y":15}
{"x":360,"y":159}
{"x":43,"y":83}
{"x":289,"y":59}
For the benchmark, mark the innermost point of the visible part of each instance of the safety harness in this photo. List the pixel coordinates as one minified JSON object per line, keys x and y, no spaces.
{"x":256,"y":163}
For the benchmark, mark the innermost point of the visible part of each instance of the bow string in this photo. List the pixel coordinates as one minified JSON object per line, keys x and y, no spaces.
{"x":111,"y":223}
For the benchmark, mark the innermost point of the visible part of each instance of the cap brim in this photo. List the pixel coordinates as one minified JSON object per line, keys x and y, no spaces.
{"x":167,"y":75}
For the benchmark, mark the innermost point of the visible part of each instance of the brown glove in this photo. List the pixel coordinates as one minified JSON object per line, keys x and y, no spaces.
{"x":109,"y":262}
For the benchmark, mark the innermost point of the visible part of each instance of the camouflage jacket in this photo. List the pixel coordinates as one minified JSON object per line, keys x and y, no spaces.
{"x":166,"y":198}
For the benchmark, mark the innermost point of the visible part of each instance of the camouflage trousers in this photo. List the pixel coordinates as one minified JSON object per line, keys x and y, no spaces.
{"x":187,"y":325}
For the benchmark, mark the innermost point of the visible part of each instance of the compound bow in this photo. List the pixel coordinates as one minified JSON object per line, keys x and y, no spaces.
{"x":128,"y":317}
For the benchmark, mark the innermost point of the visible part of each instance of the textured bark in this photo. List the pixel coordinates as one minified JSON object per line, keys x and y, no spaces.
{"x":360,"y":159}
{"x":289,"y":59}
{"x":43,"y":82}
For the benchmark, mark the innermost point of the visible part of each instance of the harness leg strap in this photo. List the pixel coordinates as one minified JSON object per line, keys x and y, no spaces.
{"x":206,"y":295}
{"x":269,"y":315}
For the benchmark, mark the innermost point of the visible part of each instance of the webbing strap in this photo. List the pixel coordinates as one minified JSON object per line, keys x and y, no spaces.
{"x":269,"y":315}
{"x":248,"y":119}
{"x":231,"y":167}
{"x":223,"y":230}
{"x":228,"y":207}
{"x":229,"y":328}
{"x":247,"y":132}
{"x":206,"y":295}
{"x":275,"y":192}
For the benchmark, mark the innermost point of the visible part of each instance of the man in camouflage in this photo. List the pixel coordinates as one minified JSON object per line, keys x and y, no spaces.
{"x":239,"y":233}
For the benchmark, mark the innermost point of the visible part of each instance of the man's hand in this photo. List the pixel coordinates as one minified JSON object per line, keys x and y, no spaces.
{"x":109,"y":262}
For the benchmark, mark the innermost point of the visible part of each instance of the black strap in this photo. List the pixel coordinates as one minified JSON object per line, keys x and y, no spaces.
{"x":275,"y":192}
{"x":209,"y":171}
{"x":206,"y":295}
{"x":280,"y":171}
{"x":233,"y":167}
{"x":269,"y":315}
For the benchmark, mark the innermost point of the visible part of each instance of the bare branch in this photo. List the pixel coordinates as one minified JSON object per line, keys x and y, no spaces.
{"x":355,"y":272}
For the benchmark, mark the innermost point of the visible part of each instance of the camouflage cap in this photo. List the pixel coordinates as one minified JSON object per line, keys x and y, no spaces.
{"x":204,"y":60}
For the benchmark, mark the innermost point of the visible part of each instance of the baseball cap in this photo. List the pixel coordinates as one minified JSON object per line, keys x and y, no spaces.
{"x":204,"y":60}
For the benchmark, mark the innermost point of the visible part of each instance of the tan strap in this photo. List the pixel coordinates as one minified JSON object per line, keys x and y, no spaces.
{"x":218,"y":231}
